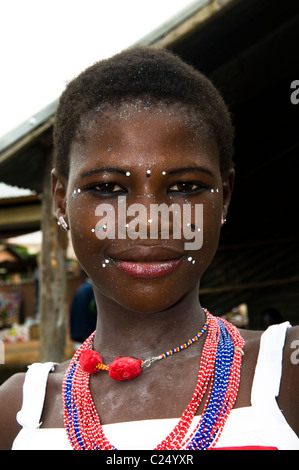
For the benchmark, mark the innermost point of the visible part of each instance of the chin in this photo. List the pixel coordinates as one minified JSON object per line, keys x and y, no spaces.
{"x":147,"y":306}
{"x":148,"y":302}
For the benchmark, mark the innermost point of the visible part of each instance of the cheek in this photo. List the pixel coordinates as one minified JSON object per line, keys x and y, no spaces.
{"x":90,"y":253}
{"x":82,"y":220}
{"x":212,"y":222}
{"x":202,"y":220}
{"x":203,"y":240}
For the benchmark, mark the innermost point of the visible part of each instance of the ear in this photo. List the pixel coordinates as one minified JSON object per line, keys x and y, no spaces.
{"x":228,"y":182}
{"x":59,"y":187}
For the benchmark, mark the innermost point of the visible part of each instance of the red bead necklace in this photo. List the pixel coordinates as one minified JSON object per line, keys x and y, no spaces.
{"x":221,"y":382}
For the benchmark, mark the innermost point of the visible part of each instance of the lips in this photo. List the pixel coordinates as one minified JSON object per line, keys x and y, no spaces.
{"x":148,"y":261}
{"x":148,"y":270}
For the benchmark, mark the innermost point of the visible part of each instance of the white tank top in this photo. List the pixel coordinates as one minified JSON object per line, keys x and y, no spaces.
{"x":261,"y":425}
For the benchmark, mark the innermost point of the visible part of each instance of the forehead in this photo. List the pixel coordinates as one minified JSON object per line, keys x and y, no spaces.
{"x":141,"y":132}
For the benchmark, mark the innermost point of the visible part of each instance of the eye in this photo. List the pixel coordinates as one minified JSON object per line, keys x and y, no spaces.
{"x":108,"y":188}
{"x":186,"y":187}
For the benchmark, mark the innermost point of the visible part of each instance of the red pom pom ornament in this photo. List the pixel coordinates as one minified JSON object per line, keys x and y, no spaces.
{"x":125,"y":368}
{"x":122,"y":368}
{"x":90,"y":361}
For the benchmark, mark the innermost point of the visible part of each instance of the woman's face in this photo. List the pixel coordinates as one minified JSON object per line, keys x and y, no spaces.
{"x":136,"y":256}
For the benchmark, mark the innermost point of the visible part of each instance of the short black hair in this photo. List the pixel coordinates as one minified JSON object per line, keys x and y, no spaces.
{"x":157,"y":75}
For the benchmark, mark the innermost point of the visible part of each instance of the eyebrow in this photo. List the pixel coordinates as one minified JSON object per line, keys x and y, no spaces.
{"x":105,"y":169}
{"x":200,"y":169}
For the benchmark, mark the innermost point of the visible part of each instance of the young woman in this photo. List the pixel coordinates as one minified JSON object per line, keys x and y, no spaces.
{"x":143,"y":178}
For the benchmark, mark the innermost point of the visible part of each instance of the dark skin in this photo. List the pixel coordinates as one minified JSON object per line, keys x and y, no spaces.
{"x":143,"y":317}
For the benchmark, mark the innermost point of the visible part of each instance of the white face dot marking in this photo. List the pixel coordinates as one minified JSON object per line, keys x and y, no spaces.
{"x":102,"y":227}
{"x":75,"y":192}
{"x":193,"y":226}
{"x":163,"y":173}
{"x":128,"y":173}
{"x":148,"y":172}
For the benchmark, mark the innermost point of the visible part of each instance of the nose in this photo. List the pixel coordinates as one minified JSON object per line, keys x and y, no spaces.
{"x":153,"y":217}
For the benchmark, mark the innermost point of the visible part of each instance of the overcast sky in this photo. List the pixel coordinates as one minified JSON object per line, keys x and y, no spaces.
{"x":45,"y":43}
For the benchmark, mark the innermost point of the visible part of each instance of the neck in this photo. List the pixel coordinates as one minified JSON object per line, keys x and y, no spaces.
{"x":125,"y":333}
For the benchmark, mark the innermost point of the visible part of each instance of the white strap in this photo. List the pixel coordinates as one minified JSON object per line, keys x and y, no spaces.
{"x":34,"y":390}
{"x":267,"y":376}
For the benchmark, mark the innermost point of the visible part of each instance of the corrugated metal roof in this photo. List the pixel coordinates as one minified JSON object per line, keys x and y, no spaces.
{"x":30,"y":125}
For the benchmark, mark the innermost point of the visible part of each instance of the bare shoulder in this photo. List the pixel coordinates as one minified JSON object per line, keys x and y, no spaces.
{"x":289,"y":388}
{"x":290,"y":377}
{"x":52,"y":416}
{"x":11,"y":397}
{"x":55,"y":381}
{"x":252,"y":340}
{"x":292,"y":344}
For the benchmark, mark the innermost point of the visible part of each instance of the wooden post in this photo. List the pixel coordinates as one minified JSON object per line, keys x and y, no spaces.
{"x":52,"y":292}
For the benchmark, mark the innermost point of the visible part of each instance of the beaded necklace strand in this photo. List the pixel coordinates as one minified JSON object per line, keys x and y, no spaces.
{"x":218,"y":376}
